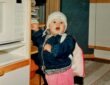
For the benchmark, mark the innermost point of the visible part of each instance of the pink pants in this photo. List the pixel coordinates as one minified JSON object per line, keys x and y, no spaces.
{"x":64,"y":78}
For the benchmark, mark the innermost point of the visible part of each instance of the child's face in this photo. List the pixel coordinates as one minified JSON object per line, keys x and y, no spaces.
{"x":56,"y":27}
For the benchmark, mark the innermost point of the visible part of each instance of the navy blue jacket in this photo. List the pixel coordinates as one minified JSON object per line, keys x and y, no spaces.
{"x":58,"y":57}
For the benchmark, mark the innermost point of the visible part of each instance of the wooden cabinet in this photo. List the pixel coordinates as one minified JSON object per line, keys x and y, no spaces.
{"x":99,"y":28}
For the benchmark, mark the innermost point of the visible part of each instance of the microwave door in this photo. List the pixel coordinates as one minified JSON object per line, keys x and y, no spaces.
{"x":12,"y":21}
{"x":7,"y":22}
{"x":3,"y":33}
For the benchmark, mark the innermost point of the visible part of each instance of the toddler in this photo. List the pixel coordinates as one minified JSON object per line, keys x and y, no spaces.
{"x":55,"y":47}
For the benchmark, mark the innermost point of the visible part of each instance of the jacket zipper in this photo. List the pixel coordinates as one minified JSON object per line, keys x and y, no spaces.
{"x":43,"y":66}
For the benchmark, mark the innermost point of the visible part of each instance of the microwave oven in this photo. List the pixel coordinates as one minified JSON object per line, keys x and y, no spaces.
{"x":12,"y":13}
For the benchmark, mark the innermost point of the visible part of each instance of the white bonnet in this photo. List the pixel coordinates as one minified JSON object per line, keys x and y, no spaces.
{"x":56,"y":15}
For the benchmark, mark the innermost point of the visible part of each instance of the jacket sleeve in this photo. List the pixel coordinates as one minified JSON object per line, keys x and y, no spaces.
{"x":64,"y":48}
{"x":78,"y":61}
{"x":37,"y":37}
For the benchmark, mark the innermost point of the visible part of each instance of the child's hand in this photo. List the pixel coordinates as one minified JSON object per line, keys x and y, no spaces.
{"x":48,"y":47}
{"x":35,"y":26}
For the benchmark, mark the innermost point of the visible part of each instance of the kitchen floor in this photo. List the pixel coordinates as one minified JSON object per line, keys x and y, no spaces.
{"x":97,"y":72}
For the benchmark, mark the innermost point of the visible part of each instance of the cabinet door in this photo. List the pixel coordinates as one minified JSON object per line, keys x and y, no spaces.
{"x":103,"y":25}
{"x":99,"y":24}
{"x":16,"y":77}
{"x":99,"y":28}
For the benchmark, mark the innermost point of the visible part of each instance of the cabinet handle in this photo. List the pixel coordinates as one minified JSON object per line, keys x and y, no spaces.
{"x":2,"y":73}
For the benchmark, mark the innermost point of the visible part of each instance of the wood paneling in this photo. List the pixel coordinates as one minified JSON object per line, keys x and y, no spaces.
{"x":51,"y":6}
{"x":100,"y":47}
{"x":99,"y":1}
